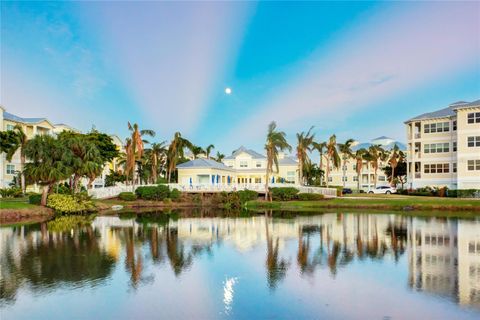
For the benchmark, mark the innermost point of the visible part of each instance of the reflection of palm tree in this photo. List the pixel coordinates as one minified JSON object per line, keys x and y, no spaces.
{"x":179,"y":260}
{"x":276,"y":269}
{"x":133,"y":264}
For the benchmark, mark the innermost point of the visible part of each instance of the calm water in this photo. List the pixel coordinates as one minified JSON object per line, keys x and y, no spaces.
{"x":330,"y":266}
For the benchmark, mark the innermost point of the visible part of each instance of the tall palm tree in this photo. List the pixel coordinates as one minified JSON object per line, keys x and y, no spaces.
{"x":138,"y":144}
{"x":276,"y":141}
{"x":347,"y":153}
{"x":359,"y":157}
{"x":395,"y":157}
{"x":175,"y":151}
{"x":156,"y":152}
{"x":375,"y":154}
{"x":332,"y":155}
{"x":208,"y":150}
{"x":196,"y":151}
{"x":320,"y":147}
{"x":19,"y":143}
{"x":304,"y":143}
{"x":48,"y":162}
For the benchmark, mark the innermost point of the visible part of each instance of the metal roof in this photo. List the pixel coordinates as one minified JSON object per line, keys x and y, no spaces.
{"x":446,"y":112}
{"x":389,"y":146}
{"x":204,"y":163}
{"x":12,"y":117}
{"x":253,"y":154}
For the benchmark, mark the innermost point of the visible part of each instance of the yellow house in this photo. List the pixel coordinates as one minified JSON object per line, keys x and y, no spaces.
{"x":205,"y":171}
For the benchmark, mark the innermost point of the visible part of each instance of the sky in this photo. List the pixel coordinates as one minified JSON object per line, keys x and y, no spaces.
{"x":354,"y":69}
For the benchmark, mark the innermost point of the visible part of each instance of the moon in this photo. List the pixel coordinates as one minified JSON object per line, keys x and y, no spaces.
{"x":228,"y":90}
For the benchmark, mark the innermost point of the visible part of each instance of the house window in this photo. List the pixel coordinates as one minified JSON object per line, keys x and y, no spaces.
{"x":473,"y":117}
{"x":258,"y":180}
{"x":436,"y":168}
{"x":345,"y":179}
{"x":454,"y":125}
{"x":454,"y":146}
{"x":258,"y":164}
{"x":10,"y":127}
{"x":436,"y":127}
{"x":381,"y":178}
{"x":355,"y":178}
{"x":473,"y":165}
{"x":330,"y":179}
{"x":355,"y":167}
{"x":10,"y":169}
{"x":473,"y":142}
{"x":243,"y":164}
{"x":454,"y":167}
{"x":436,"y":147}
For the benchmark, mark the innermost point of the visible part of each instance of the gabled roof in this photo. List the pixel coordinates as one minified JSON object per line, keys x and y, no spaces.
{"x":389,"y":146}
{"x":204,"y":163}
{"x":12,"y":117}
{"x":252,"y":153}
{"x":287,"y":161}
{"x":446,"y":112}
{"x":382,"y":138}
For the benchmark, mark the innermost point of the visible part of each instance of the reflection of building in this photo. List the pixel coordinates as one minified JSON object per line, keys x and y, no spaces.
{"x":444,"y":258}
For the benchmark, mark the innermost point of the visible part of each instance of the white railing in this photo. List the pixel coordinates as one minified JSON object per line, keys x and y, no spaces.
{"x":110,"y":192}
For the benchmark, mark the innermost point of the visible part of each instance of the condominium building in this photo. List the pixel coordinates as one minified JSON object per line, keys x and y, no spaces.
{"x":444,"y":147}
{"x":243,"y":166}
{"x":346,"y":175}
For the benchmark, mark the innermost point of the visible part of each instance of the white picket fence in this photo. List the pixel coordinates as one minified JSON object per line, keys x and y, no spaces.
{"x":110,"y":192}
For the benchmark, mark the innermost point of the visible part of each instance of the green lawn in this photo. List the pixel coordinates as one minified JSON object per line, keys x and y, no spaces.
{"x":15,"y":203}
{"x":391,"y":202}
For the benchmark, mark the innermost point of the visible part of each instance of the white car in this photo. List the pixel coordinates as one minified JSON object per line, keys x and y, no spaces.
{"x":384,"y":190}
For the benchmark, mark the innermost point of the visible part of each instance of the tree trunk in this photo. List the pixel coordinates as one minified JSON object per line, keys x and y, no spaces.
{"x":45,"y":190}
{"x":76,"y":179}
{"x":393,"y":176}
{"x":22,"y":177}
{"x":358,"y":181}
{"x":300,"y":171}
{"x":267,"y":176}
{"x":343,"y":169}
{"x":328,"y":171}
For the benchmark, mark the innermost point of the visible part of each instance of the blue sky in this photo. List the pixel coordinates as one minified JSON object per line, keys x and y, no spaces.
{"x":357,"y":69}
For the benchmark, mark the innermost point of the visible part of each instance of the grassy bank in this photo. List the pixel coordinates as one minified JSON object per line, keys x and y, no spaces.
{"x":19,"y":211}
{"x":396,"y":203}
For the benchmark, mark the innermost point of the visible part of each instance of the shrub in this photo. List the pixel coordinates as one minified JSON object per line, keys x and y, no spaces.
{"x":247,"y":195}
{"x":13,"y":192}
{"x":161,"y":180}
{"x":284,"y":193}
{"x":464,"y":193}
{"x":63,"y":203}
{"x":175,"y":194}
{"x":158,"y":193}
{"x":127,"y":196}
{"x":310,"y":196}
{"x":35,"y":198}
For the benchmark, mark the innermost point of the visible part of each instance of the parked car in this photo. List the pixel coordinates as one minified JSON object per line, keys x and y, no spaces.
{"x":347,"y":191}
{"x":384,"y":190}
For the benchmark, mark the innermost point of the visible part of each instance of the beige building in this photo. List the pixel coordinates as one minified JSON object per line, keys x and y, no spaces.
{"x":243,"y":166}
{"x":346,"y":175}
{"x":444,"y":147}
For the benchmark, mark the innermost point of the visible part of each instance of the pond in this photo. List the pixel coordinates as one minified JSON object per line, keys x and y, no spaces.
{"x":214,"y":265}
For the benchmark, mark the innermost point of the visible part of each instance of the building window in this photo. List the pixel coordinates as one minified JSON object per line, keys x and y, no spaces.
{"x":258,"y":180}
{"x":345,"y":179}
{"x":473,"y":142}
{"x":243,"y":164}
{"x":330,"y":179}
{"x":436,"y":148}
{"x":454,"y":167}
{"x":473,"y":117}
{"x":355,"y":178}
{"x":355,"y":167}
{"x":436,"y":127}
{"x":454,"y":125}
{"x":258,"y":164}
{"x":10,"y":127}
{"x":10,"y":169}
{"x":381,"y":178}
{"x":473,"y":165}
{"x":436,"y":168}
{"x":454,"y":146}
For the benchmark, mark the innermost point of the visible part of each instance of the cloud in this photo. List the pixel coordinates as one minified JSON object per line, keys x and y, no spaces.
{"x":401,"y":47}
{"x":171,"y":56}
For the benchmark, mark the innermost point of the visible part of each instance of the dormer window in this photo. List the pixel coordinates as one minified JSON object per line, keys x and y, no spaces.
{"x":243,"y":164}
{"x":258,"y":164}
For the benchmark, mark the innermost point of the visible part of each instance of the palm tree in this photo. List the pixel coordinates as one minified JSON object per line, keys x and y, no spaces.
{"x":48,"y":162}
{"x":375,"y":155}
{"x":155,"y":153}
{"x":137,"y":144}
{"x":396,"y":156}
{"x":347,"y":153}
{"x":19,"y":143}
{"x":209,"y":149}
{"x":175,"y":151}
{"x":196,"y":151}
{"x":332,"y":155}
{"x":320,"y":147}
{"x":220,"y":156}
{"x":304,"y":141}
{"x":359,"y":157}
{"x":276,"y":140}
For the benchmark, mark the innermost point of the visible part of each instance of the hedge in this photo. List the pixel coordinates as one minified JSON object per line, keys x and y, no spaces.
{"x":35,"y":198}
{"x":63,"y":203}
{"x":284,"y":193}
{"x":127,"y":196}
{"x":175,"y":194}
{"x":159,"y":192}
{"x":310,"y":196}
{"x":247,"y":195}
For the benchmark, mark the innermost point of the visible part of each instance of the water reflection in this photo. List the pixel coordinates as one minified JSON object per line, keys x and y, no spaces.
{"x":443,"y":255}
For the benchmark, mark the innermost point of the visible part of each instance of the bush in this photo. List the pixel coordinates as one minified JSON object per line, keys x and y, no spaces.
{"x":63,"y":203}
{"x":127,"y":196}
{"x":175,"y":194}
{"x":13,"y":192}
{"x":161,"y":180}
{"x":158,"y":193}
{"x":310,"y":196}
{"x":284,"y":193}
{"x":35,"y":198}
{"x":247,"y":195}
{"x":464,"y":193}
